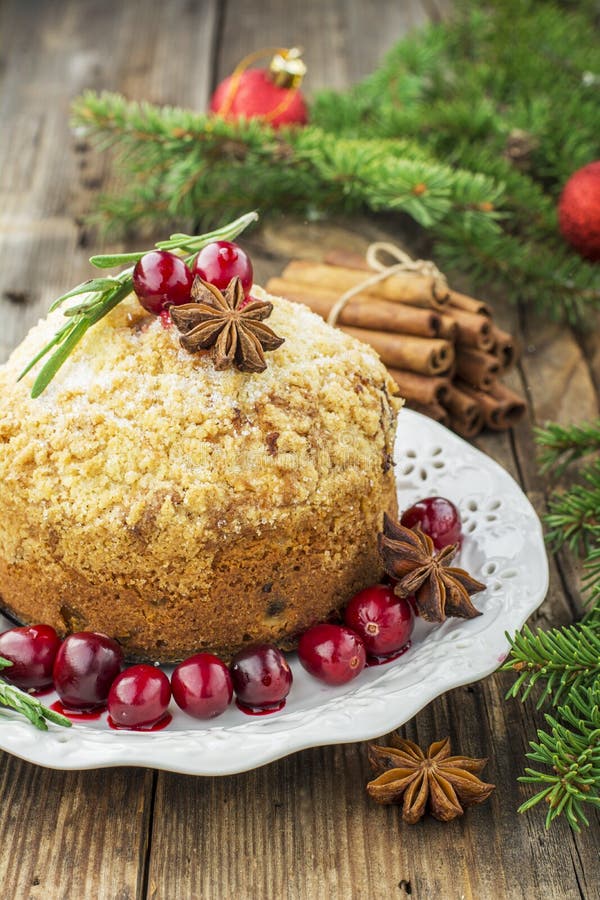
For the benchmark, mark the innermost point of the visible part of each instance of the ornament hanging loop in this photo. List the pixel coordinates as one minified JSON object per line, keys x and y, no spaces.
{"x":287,"y":68}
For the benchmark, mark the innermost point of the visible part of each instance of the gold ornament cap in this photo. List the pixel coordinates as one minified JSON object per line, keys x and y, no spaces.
{"x":287,"y":68}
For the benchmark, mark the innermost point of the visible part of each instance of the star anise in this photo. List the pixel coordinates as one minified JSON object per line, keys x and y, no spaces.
{"x":440,"y":590}
{"x":442,"y":783}
{"x":222,"y":320}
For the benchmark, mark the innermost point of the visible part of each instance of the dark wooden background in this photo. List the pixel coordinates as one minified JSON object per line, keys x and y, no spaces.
{"x":302,"y":827}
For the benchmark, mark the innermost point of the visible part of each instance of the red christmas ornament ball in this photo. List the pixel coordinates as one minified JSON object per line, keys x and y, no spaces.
{"x":272,"y":95}
{"x":579,"y":211}
{"x":256,"y":96}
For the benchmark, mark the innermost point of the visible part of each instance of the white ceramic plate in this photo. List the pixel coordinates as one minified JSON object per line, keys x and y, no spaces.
{"x":503,"y":547}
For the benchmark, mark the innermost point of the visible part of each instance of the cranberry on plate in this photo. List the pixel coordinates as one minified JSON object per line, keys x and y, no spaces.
{"x":261,"y":677}
{"x":383,"y":620}
{"x":332,"y":653}
{"x":202,"y":686}
{"x":437,"y":517}
{"x":139,"y":696}
{"x":32,"y":650}
{"x":221,"y":261}
{"x":86,"y":665}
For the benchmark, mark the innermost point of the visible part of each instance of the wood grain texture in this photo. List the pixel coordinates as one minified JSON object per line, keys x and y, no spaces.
{"x":73,"y":834}
{"x":342,"y":41}
{"x":301,"y":828}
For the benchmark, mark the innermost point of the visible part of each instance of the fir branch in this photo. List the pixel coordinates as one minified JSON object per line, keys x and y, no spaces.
{"x":563,"y":660}
{"x":592,"y":616}
{"x":591,"y":577}
{"x":183,"y":161}
{"x":562,"y":445}
{"x":571,"y":750}
{"x":574,"y":515}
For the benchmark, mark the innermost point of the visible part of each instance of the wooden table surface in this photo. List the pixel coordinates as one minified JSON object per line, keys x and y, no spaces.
{"x":302,"y":827}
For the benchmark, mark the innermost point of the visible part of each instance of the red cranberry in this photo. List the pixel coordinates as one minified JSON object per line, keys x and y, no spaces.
{"x":437,"y":517}
{"x":221,"y":261}
{"x":202,"y":686}
{"x":382,"y":620}
{"x":86,"y":665}
{"x":161,"y":279}
{"x":332,"y":653}
{"x":139,"y":696}
{"x":261,"y":676}
{"x":32,"y":651}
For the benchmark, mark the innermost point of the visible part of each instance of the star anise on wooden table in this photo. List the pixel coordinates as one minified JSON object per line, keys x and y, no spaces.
{"x":440,"y":590}
{"x":224,"y":321}
{"x":443,"y":784}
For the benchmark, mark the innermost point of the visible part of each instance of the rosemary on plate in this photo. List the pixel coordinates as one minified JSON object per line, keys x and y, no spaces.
{"x":29,"y":706}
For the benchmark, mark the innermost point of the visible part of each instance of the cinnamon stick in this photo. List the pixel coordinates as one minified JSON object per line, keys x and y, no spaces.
{"x":467,"y":431}
{"x":466,"y":414}
{"x":469,"y":304}
{"x":501,"y":407}
{"x":473,"y":330}
{"x":362,"y":311}
{"x":431,"y":410}
{"x":403,"y":287}
{"x":448,"y":327}
{"x":428,"y":356}
{"x":478,"y":369}
{"x":425,"y":389}
{"x":505,"y":348}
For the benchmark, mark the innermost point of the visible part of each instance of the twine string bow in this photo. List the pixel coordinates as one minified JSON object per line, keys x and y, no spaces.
{"x":404,"y":263}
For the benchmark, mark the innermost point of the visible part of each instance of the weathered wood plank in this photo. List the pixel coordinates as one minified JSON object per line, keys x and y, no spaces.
{"x":558,"y":376}
{"x":72,"y":834}
{"x":342,"y":41}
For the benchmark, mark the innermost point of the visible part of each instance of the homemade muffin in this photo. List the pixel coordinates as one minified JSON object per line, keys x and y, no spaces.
{"x":179,"y":508}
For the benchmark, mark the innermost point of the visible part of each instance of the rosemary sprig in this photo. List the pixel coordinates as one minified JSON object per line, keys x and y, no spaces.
{"x":101,"y":295}
{"x":28,"y":706}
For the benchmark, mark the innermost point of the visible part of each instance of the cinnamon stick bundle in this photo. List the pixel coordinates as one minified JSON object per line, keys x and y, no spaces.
{"x":478,"y":369}
{"x":473,"y":330}
{"x":424,"y":389}
{"x":403,"y":287}
{"x":501,"y":407}
{"x":363,"y":310}
{"x":428,"y":356}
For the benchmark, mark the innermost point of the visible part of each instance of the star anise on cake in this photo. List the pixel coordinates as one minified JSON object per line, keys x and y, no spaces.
{"x":222,"y":320}
{"x":435,"y":781}
{"x":440,"y":590}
